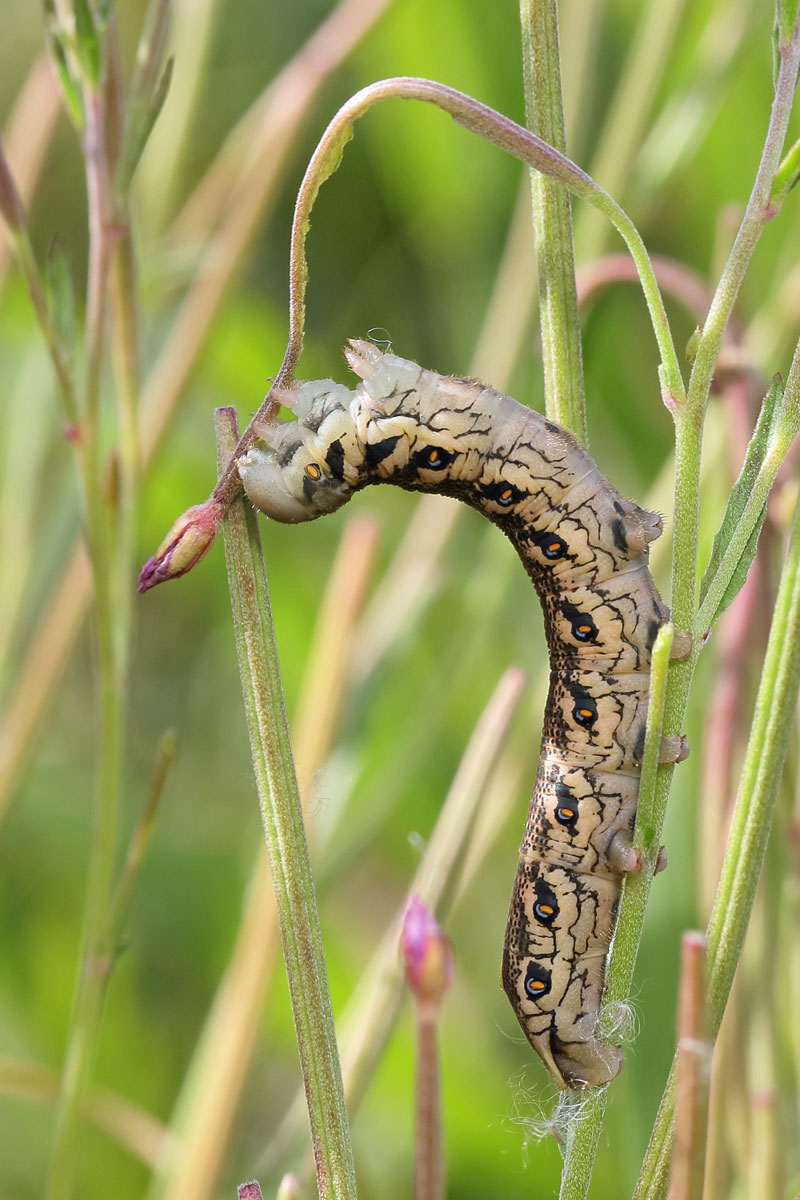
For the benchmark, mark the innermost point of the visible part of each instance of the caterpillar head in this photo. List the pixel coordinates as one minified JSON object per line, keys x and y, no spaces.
{"x":306,"y":470}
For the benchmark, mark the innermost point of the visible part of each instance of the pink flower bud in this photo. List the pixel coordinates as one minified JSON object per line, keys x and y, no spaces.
{"x":185,"y":544}
{"x":249,"y":1191}
{"x":427,"y":955}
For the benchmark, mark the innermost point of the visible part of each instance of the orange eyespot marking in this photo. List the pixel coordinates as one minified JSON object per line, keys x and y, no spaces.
{"x":313,"y":471}
{"x":584,"y":629}
{"x":433,"y":456}
{"x":554,"y":547}
{"x":586,"y":713}
{"x":506,"y":494}
{"x":536,"y":985}
{"x":546,"y":909}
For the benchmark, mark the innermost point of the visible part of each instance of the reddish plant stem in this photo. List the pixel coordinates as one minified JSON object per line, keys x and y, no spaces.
{"x":429,"y":1157}
{"x":694,"y":1060}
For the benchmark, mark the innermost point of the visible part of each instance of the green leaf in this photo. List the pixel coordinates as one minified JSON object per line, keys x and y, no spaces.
{"x":87,"y":41}
{"x":787,"y":175}
{"x":743,"y":566}
{"x":786,"y":17}
{"x":69,"y":85}
{"x":143,"y":116}
{"x":740,"y":494}
{"x":61,"y":297}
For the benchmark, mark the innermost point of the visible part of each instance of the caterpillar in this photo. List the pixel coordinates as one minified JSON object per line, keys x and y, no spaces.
{"x":585,"y":549}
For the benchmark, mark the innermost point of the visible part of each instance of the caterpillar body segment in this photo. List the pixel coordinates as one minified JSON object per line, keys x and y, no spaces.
{"x":585,"y":550}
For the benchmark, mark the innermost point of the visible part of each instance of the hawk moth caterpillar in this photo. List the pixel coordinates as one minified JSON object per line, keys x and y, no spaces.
{"x":585,"y":549}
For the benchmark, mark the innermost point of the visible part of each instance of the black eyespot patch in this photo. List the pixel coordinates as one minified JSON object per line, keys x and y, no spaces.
{"x":537,"y":980}
{"x":551,"y":545}
{"x":585,"y":708}
{"x":502,"y":493}
{"x":432,"y":458}
{"x":545,"y":907}
{"x":583,"y":626}
{"x":566,"y":807}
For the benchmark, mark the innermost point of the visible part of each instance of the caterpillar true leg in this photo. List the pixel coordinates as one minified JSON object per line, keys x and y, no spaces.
{"x":585,"y":550}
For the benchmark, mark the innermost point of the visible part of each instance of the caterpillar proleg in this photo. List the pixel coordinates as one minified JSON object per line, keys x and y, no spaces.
{"x":585,"y":550}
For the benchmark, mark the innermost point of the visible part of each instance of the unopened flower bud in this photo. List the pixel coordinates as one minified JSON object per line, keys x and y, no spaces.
{"x":190,"y":537}
{"x":427,"y":955}
{"x":249,"y":1191}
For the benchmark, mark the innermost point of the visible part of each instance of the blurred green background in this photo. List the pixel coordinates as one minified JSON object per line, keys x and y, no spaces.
{"x":406,"y":242}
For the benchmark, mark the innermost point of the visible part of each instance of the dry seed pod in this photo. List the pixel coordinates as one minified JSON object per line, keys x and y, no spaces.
{"x":585,"y":549}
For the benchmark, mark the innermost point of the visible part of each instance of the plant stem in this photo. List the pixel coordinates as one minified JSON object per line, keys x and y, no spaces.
{"x":429,"y":1154}
{"x":552,"y":220}
{"x":760,"y":210}
{"x":693,"y":1069}
{"x":689,"y":416}
{"x":286,"y":842}
{"x":451,"y":859}
{"x":211,"y":1091}
{"x":96,"y":955}
{"x":508,"y":136}
{"x":282,"y":108}
{"x":585,"y":1124}
{"x":755,"y":806}
{"x":688,"y":442}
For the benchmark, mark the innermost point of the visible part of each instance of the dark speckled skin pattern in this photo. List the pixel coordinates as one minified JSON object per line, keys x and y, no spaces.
{"x":585,"y":549}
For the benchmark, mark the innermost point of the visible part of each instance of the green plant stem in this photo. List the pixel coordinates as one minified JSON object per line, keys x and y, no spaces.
{"x":688,"y":443}
{"x":755,"y":806}
{"x":552,"y":221}
{"x":103,"y":920}
{"x":501,"y":132}
{"x":286,"y":841}
{"x":96,"y":954}
{"x":123,"y":892}
{"x":689,"y":416}
{"x":583,"y":1130}
{"x":124,"y":322}
{"x":760,"y":209}
{"x":453,"y":854}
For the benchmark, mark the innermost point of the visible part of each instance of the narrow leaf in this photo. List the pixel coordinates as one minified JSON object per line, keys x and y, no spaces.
{"x":87,"y":41}
{"x":786,"y":17}
{"x":69,"y":86}
{"x":787,"y":174}
{"x":740,"y":494}
{"x":740,"y":574}
{"x":143,"y":117}
{"x":60,"y":292}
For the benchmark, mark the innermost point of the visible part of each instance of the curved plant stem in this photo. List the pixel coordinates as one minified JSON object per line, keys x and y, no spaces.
{"x":286,"y":842}
{"x":501,"y":132}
